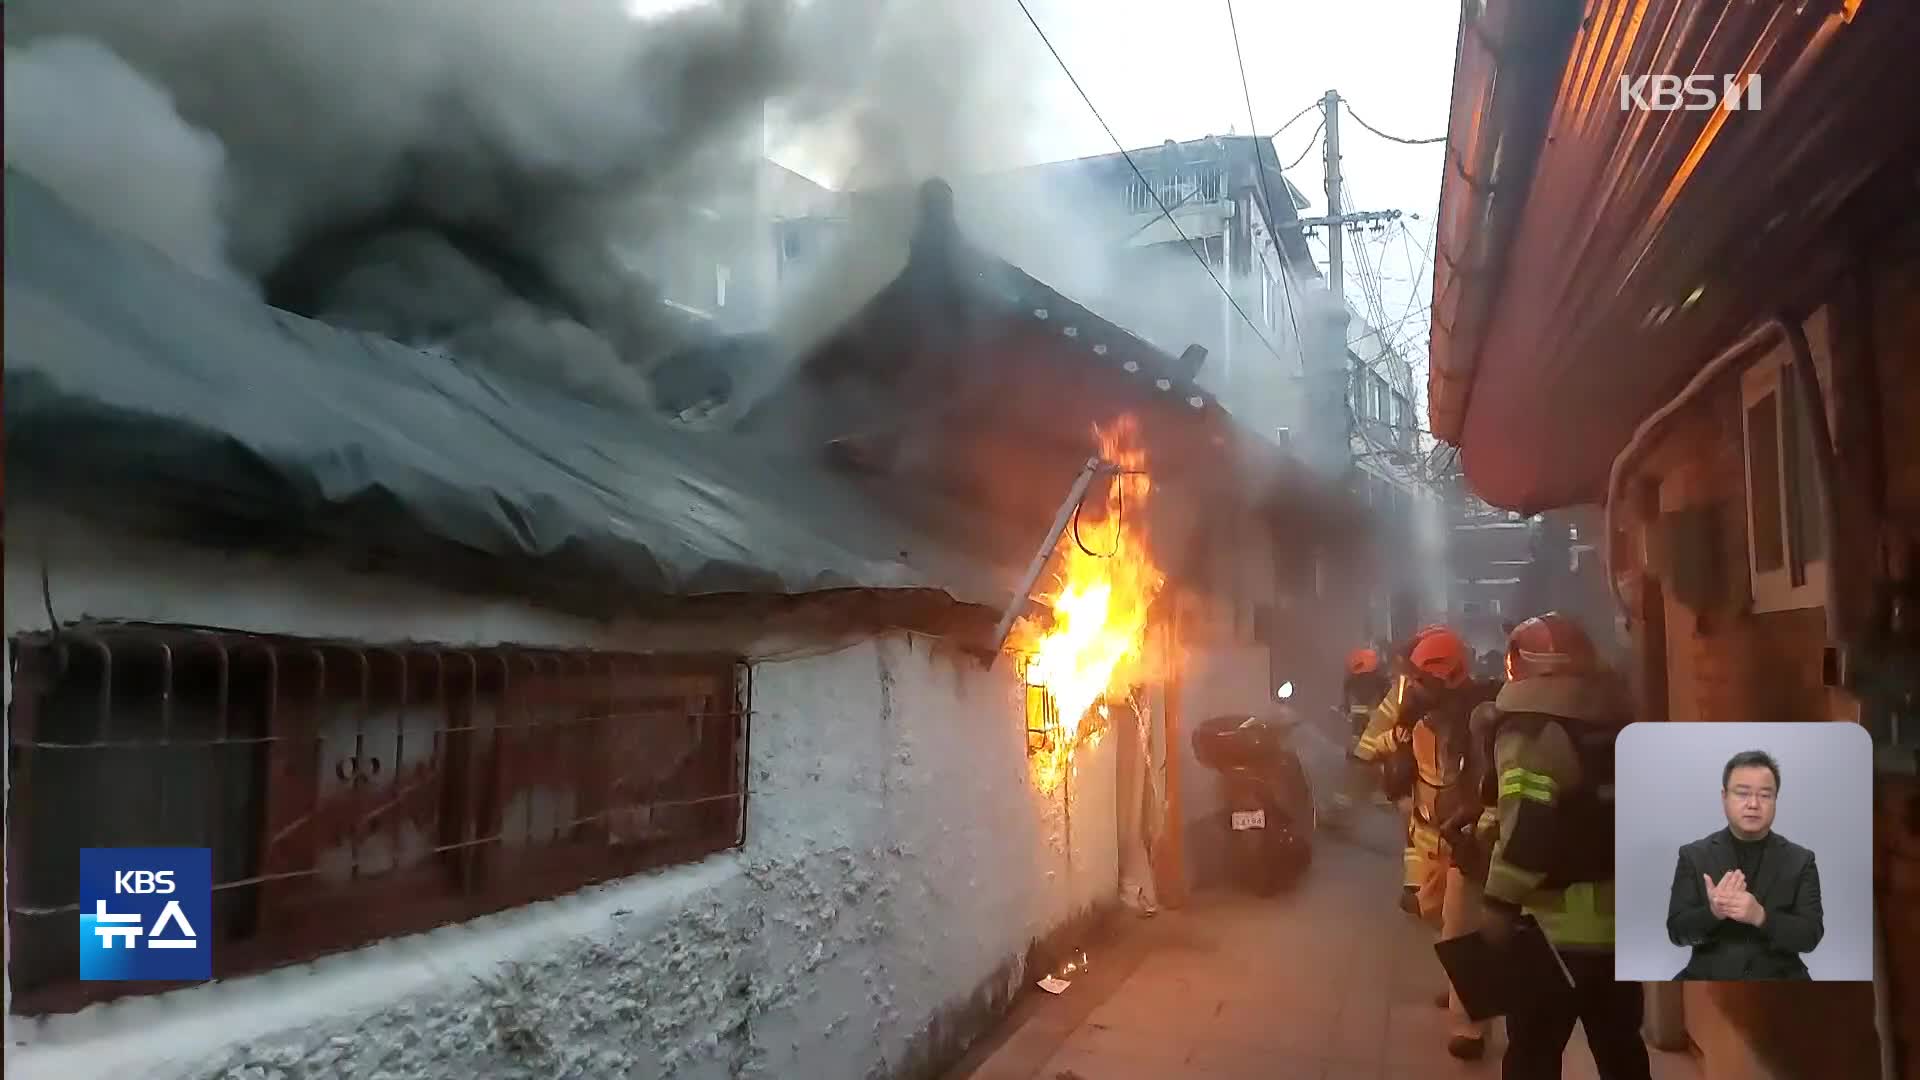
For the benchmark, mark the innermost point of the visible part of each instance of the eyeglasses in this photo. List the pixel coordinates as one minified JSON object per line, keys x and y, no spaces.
{"x":1749,"y":794}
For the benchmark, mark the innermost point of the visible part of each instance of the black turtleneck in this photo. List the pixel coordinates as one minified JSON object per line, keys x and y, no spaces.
{"x":1747,"y":856}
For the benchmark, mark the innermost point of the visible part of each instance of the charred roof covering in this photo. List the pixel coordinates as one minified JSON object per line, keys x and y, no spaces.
{"x":148,"y":398}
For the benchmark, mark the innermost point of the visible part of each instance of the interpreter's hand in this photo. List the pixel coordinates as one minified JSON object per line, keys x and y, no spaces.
{"x":1744,"y":908}
{"x":1720,"y":894}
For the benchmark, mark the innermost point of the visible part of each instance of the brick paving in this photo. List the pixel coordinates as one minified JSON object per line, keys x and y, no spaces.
{"x":1331,"y":982}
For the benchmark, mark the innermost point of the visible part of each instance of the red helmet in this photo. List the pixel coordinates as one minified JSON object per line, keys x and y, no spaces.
{"x":1552,"y":644}
{"x":1362,"y":661}
{"x":1422,"y":634}
{"x":1439,"y":652}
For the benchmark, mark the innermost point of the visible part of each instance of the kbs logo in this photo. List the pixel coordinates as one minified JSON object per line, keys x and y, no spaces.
{"x":1694,"y":93}
{"x":139,"y":882}
{"x":146,"y":914}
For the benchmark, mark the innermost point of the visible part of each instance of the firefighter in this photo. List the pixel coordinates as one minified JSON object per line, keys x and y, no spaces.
{"x":1381,"y":749}
{"x":1366,"y":685}
{"x":1442,"y":697}
{"x":1387,"y":744}
{"x":1553,"y":735}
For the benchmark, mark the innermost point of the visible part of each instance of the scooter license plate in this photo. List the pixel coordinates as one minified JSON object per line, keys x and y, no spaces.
{"x":1249,"y":819}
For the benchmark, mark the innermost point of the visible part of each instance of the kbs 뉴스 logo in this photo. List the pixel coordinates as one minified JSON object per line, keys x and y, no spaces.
{"x":146,"y":914}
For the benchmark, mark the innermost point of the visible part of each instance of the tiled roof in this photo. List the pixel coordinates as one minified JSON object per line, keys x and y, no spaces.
{"x":946,"y":273}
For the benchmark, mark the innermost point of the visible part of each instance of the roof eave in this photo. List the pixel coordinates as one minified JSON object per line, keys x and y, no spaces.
{"x":1511,"y":53}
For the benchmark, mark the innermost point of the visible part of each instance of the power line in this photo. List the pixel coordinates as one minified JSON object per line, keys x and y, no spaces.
{"x":1386,"y":348}
{"x":1266,"y":195}
{"x":1296,"y":116}
{"x":1312,"y":141}
{"x":1384,"y":135}
{"x":1369,"y":273}
{"x":1142,"y":177}
{"x":1413,"y":314}
{"x":1413,"y":294}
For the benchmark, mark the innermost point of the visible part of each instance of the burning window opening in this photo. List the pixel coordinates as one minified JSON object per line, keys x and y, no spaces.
{"x":1088,"y":644}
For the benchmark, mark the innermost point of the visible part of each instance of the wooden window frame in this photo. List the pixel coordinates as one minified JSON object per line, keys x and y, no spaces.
{"x":351,"y":792}
{"x":1800,"y":582}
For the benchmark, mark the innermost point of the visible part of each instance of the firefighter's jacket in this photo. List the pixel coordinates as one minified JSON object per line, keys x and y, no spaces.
{"x":1381,"y":735}
{"x":1473,"y":827}
{"x":1363,"y":694}
{"x":1437,"y":750}
{"x":1553,"y":760}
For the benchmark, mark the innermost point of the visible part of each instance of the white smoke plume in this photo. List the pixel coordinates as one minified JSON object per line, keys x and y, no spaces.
{"x":111,"y":142}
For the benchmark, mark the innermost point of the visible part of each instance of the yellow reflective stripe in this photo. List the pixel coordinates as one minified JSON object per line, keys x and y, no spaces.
{"x":1528,"y":784}
{"x":1380,"y":742}
{"x":1579,"y":915}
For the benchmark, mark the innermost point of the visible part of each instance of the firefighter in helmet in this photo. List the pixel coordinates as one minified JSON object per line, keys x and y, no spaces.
{"x":1385,"y":748}
{"x":1366,"y":685}
{"x":1441,"y":699}
{"x":1553,"y":735}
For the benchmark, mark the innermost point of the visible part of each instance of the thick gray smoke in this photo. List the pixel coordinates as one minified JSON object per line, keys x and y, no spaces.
{"x":484,"y":175}
{"x":522,"y":183}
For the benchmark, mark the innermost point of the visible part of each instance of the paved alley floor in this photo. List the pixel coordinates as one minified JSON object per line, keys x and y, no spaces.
{"x":1332,"y":982}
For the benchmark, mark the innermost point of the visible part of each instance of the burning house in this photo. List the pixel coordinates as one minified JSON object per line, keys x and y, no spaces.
{"x":972,"y":393}
{"x":525,"y":735}
{"x":530,"y":735}
{"x":1703,"y":324}
{"x":486,"y":698}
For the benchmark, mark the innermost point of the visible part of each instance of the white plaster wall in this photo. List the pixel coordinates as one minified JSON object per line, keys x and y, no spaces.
{"x":898,"y":856}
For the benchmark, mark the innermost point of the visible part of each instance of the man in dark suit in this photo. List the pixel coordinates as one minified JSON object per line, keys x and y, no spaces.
{"x":1746,"y":899}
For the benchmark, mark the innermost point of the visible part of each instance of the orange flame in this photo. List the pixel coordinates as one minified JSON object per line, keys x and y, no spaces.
{"x":1091,"y":640}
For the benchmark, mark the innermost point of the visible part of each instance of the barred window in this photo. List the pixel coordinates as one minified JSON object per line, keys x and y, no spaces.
{"x":351,"y":792}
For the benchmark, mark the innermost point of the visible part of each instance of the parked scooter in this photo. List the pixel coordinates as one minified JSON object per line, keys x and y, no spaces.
{"x":1269,"y":814}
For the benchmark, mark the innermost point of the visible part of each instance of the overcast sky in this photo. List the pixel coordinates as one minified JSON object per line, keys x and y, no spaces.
{"x":1161,"y":70}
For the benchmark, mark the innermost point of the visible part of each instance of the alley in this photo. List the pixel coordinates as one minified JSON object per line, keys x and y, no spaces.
{"x":1332,"y":982}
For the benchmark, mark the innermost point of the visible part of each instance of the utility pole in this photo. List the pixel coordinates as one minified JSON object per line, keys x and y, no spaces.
{"x":1336,"y":279}
{"x":1332,"y":396}
{"x":1335,"y":220}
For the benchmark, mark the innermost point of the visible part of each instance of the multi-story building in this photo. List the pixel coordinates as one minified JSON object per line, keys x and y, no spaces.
{"x":1390,"y":476}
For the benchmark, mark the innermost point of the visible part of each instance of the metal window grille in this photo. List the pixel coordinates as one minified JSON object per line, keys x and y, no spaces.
{"x":352,"y":792}
{"x":1043,"y":721}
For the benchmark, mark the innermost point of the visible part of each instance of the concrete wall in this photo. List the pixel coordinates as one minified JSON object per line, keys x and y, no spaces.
{"x":899,"y":864}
